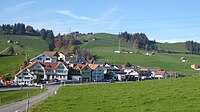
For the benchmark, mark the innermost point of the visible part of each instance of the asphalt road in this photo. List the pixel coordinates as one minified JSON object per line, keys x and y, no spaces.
{"x":22,"y":105}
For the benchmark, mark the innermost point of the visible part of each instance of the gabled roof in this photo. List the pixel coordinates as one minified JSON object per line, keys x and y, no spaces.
{"x":50,"y":53}
{"x":27,"y":67}
{"x":80,"y":66}
{"x":160,"y":72}
{"x":93,"y":66}
{"x":144,"y":69}
{"x":50,"y":66}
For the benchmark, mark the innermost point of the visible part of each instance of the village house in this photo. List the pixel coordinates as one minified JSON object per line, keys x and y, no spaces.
{"x":42,"y":71}
{"x":184,"y":60}
{"x":161,"y":75}
{"x":195,"y":66}
{"x":46,"y":56}
{"x":97,"y":72}
{"x":144,"y":73}
{"x":61,"y":57}
{"x":85,"y":72}
{"x":154,"y":70}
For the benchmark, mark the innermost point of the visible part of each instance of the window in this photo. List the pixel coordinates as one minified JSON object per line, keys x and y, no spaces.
{"x":25,"y":73}
{"x":26,"y":78}
{"x":47,"y":58}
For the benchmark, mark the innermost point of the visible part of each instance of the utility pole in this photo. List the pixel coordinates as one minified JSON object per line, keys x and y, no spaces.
{"x":70,"y":29}
{"x":21,"y":78}
{"x":119,"y":43}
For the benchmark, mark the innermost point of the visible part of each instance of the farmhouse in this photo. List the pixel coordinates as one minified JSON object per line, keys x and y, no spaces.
{"x":195,"y":66}
{"x":184,"y":60}
{"x":46,"y":56}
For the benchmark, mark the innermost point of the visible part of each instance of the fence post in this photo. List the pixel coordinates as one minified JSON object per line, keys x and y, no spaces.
{"x":27,"y":106}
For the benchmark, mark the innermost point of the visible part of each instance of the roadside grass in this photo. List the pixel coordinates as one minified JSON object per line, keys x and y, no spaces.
{"x":105,"y":45}
{"x":171,"y":95}
{"x":18,"y":95}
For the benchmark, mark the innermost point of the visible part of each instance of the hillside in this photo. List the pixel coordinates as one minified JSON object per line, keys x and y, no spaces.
{"x":170,"y":95}
{"x":176,"y":47}
{"x":30,"y":45}
{"x":106,"y":44}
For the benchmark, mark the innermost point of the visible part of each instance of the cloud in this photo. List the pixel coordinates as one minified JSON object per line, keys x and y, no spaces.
{"x":110,"y":11}
{"x":113,"y":25}
{"x":75,"y":16}
{"x":19,"y":6}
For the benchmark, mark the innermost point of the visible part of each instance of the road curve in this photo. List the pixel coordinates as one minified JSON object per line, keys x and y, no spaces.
{"x":22,"y":105}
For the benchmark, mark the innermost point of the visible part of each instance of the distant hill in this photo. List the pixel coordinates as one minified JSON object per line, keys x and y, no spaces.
{"x":105,"y":45}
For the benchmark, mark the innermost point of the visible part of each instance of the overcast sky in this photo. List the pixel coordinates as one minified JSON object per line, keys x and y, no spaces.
{"x":162,"y":20}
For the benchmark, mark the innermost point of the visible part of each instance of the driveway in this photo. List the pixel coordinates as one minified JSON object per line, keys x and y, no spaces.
{"x":22,"y":105}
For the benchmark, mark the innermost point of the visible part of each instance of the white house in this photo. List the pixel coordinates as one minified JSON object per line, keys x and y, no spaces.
{"x":55,"y":71}
{"x":61,"y":57}
{"x":24,"y":76}
{"x":97,"y":72}
{"x":161,"y":75}
{"x":46,"y":56}
{"x":43,"y":71}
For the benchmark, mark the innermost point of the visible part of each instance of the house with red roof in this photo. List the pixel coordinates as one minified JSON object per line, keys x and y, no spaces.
{"x":46,"y":56}
{"x":41,"y":70}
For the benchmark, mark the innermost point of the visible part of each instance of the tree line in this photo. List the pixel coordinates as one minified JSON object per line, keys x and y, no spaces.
{"x":21,"y":29}
{"x":69,"y":44}
{"x":138,"y":40}
{"x":193,"y":47}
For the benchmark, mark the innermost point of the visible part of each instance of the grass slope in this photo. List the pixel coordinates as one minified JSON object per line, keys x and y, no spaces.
{"x":32,"y":45}
{"x":172,"y":95}
{"x":14,"y":96}
{"x":9,"y":64}
{"x":106,"y":44}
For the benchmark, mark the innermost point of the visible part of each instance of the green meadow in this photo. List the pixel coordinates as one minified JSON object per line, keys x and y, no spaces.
{"x":105,"y":45}
{"x":170,"y":95}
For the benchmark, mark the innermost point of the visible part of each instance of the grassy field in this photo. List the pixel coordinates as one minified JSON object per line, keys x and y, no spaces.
{"x":106,"y":44}
{"x":13,"y":96}
{"x":171,"y":95}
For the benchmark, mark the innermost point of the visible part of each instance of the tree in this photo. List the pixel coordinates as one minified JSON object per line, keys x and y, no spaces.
{"x":128,"y":64}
